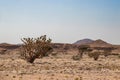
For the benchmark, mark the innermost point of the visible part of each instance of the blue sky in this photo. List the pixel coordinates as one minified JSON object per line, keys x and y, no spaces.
{"x":62,"y":20}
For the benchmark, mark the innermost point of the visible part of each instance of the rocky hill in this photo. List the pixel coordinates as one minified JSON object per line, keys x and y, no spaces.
{"x":83,"y":41}
{"x":9,"y":46}
{"x":100,"y":43}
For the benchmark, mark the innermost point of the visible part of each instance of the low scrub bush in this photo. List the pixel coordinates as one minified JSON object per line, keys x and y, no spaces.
{"x":82,"y":49}
{"x":33,"y":48}
{"x":119,"y":56}
{"x":94,"y":55}
{"x":76,"y":57}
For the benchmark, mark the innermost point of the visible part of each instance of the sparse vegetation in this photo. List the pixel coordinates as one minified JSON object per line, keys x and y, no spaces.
{"x":76,"y":57}
{"x":33,"y":48}
{"x":14,"y":76}
{"x":58,"y":66}
{"x":107,"y":51}
{"x":3,"y":51}
{"x":54,"y":53}
{"x":78,"y":78}
{"x":119,"y":56}
{"x":82,"y":49}
{"x":94,"y":55}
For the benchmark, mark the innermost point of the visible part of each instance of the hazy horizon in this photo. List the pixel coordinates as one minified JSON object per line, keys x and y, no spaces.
{"x":64,"y":21}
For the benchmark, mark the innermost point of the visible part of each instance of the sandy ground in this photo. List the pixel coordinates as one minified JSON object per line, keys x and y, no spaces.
{"x":59,"y":67}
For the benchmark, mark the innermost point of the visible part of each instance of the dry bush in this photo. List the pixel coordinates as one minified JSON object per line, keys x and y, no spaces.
{"x":82,"y":49}
{"x":94,"y":55}
{"x":76,"y":57}
{"x":33,"y":48}
{"x":3,"y":51}
{"x":54,"y":53}
{"x":107,"y":51}
{"x":119,"y":56}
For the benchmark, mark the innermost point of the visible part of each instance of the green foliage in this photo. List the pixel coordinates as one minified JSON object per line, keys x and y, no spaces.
{"x":94,"y":55}
{"x":33,"y":48}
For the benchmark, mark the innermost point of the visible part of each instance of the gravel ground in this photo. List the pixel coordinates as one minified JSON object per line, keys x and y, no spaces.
{"x":59,"y":67}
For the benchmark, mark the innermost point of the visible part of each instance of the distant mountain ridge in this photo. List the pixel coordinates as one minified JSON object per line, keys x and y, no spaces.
{"x":8,"y":46}
{"x":83,"y":41}
{"x":100,"y":43}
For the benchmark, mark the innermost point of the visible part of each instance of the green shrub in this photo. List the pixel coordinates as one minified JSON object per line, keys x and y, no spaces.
{"x":33,"y":48}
